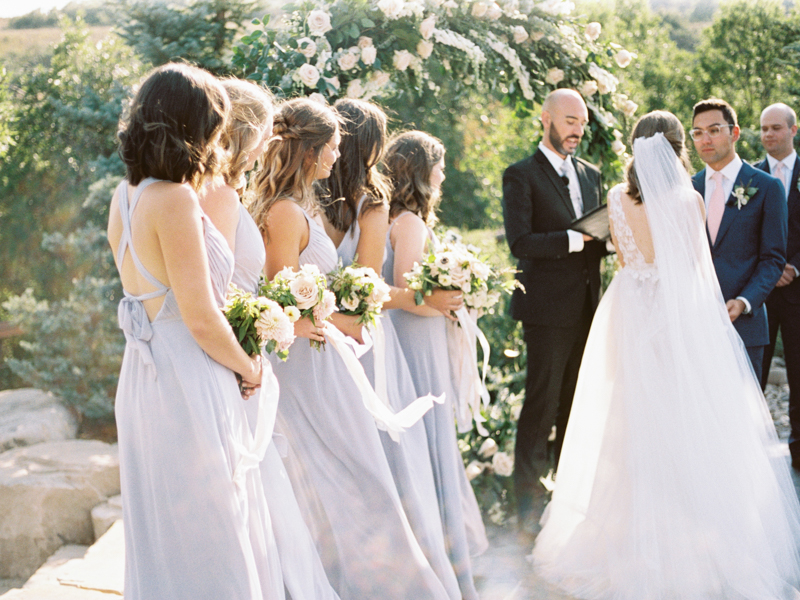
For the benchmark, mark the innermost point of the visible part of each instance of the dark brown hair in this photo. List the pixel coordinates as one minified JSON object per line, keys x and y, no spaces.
{"x":716,"y":104}
{"x":658,"y":121}
{"x":409,"y":161}
{"x":355,"y":174}
{"x":300,"y":131}
{"x":173,"y":125}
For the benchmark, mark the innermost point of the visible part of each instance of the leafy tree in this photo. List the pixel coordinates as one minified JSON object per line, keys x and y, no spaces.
{"x":201,"y":32}
{"x":743,"y":58}
{"x":63,"y":121}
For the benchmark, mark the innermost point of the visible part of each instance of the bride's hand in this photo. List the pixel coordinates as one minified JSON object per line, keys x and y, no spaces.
{"x":305,"y":328}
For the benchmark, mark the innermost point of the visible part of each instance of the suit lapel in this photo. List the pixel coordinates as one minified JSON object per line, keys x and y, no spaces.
{"x":793,"y":190}
{"x":555,"y":179}
{"x":731,"y":210}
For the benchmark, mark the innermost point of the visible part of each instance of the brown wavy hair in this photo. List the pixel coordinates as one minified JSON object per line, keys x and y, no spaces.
{"x":250,"y":116}
{"x":173,"y":125}
{"x":409,"y":161}
{"x":658,"y":121}
{"x":301,"y":129}
{"x":363,"y":127}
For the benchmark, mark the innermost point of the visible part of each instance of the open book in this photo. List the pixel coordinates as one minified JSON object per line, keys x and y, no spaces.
{"x":594,"y":223}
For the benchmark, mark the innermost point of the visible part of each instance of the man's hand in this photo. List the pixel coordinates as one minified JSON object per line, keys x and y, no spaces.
{"x":787,"y":277}
{"x":735,"y":308}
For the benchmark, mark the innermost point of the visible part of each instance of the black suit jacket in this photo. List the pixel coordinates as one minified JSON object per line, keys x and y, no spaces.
{"x":537,"y":212}
{"x":791,"y":292}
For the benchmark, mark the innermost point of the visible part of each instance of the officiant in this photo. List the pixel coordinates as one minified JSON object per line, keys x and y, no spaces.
{"x":560,"y":270}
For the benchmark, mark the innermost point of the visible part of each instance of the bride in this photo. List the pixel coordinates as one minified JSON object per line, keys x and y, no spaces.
{"x":671,"y":483}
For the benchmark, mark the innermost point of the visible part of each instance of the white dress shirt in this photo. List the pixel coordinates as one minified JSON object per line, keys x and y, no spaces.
{"x":729,"y":174}
{"x":575,"y":237}
{"x":788,"y":168}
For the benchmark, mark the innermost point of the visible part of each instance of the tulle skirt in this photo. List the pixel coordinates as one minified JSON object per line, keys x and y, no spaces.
{"x":671,"y":483}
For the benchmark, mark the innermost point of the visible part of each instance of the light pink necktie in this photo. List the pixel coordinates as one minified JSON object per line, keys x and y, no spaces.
{"x":716,"y":206}
{"x":779,"y":174}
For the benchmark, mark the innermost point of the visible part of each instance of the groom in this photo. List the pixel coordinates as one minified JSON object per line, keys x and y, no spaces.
{"x":560,"y":269}
{"x":746,"y":221}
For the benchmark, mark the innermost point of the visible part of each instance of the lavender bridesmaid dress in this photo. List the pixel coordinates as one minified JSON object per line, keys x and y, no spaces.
{"x":195,"y":526}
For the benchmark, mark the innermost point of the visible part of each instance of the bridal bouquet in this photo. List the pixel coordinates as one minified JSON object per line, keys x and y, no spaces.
{"x":453,"y":265}
{"x":302,"y":293}
{"x":359,"y":291}
{"x":259,"y":322}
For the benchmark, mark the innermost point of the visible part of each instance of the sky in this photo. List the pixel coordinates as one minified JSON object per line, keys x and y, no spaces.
{"x":15,"y":8}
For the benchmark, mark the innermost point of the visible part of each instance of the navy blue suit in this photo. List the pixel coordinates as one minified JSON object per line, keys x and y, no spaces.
{"x":783,"y":312}
{"x":749,"y":252}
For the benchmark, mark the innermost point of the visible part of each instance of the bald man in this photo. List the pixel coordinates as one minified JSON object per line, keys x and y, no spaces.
{"x":778,"y":129}
{"x":560,"y":269}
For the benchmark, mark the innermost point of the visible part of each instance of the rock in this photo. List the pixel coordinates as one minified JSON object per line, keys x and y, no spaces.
{"x":102,"y":569}
{"x":105,"y":515}
{"x":777,"y":376}
{"x":47,"y":492}
{"x":29,"y":416}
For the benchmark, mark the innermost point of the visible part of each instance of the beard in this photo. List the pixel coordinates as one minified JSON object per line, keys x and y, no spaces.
{"x":558,"y":142}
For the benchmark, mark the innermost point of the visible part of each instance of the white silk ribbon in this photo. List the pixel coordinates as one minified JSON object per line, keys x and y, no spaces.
{"x":252,"y":449}
{"x":387,"y":420}
{"x":379,"y":355}
{"x":462,"y":340}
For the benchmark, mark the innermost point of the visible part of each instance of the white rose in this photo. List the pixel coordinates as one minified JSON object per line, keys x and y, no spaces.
{"x":520,"y":34}
{"x":424,"y":48}
{"x":292,"y":312}
{"x":402,"y":59}
{"x":589,"y":88}
{"x":479,"y":9}
{"x":354,"y":89}
{"x":305,"y":290}
{"x":537,"y":35}
{"x":319,"y":22}
{"x":623,"y":58}
{"x":381,"y":293}
{"x":364,"y":42}
{"x":554,"y":76}
{"x":617,"y":134}
{"x":347,"y":61}
{"x":445,"y":280}
{"x":488,"y":448}
{"x":307,"y":47}
{"x":350,"y":303}
{"x":494,"y":12}
{"x":503,"y":464}
{"x":427,"y":26}
{"x":391,"y":8}
{"x":326,"y":308}
{"x":629,"y":108}
{"x":474,"y":469}
{"x":593,"y":30}
{"x":308,"y":75}
{"x":379,"y":78}
{"x":617,"y":147}
{"x":317,"y":97}
{"x":369,"y":54}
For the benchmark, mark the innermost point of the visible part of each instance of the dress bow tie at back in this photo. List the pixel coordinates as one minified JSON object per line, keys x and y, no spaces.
{"x":135,"y":323}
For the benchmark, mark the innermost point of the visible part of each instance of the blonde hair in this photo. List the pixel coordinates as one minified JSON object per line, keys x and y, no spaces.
{"x":301,"y":129}
{"x":409,"y":161}
{"x":249,"y":118}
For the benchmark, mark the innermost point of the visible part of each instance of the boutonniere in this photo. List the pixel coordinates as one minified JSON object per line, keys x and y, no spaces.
{"x":743,"y":193}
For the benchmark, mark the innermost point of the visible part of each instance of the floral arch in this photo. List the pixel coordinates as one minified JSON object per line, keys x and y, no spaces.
{"x":375,"y":48}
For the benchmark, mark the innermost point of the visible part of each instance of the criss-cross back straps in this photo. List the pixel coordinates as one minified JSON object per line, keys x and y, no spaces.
{"x":126,"y":242}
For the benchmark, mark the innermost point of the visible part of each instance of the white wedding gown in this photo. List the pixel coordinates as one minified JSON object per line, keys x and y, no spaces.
{"x":671,"y":483}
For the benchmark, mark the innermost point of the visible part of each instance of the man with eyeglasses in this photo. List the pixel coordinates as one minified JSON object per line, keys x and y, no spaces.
{"x":746,"y":222}
{"x":560,"y":269}
{"x":778,"y":129}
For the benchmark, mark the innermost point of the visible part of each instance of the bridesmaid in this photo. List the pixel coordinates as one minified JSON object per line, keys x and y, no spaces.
{"x":357,"y":222}
{"x":336,"y":461}
{"x":246,"y":134}
{"x":414,"y":162}
{"x":194,"y":526}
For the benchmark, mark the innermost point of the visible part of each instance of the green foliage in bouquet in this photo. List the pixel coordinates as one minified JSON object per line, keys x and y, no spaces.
{"x":242,"y":312}
{"x":359,"y":291}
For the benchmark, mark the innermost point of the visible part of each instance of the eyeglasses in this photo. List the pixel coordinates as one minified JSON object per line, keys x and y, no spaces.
{"x":697,"y":133}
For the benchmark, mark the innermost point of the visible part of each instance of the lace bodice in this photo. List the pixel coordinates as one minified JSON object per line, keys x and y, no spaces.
{"x":626,"y":243}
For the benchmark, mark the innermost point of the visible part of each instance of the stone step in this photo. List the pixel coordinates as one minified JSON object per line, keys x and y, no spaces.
{"x":77,"y":572}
